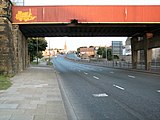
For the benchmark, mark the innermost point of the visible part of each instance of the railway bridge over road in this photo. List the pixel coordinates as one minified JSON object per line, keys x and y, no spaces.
{"x":17,"y":23}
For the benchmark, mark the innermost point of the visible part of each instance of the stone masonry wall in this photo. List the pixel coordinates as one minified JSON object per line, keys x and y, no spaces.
{"x":13,"y":44}
{"x":13,"y":48}
{"x":21,"y":49}
{"x":6,"y":47}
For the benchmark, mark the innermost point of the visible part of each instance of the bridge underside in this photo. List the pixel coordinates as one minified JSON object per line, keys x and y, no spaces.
{"x":17,"y":23}
{"x":88,"y":29}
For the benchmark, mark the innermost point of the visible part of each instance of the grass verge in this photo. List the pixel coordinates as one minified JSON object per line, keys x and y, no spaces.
{"x":5,"y":82}
{"x":49,"y":63}
{"x":34,"y":63}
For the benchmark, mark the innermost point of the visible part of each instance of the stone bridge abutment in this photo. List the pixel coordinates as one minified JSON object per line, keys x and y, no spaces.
{"x":146,"y":43}
{"x":13,"y":48}
{"x":13,"y":44}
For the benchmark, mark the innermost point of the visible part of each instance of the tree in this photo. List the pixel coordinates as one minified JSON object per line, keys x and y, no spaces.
{"x":36,"y":46}
{"x":109,"y":54}
{"x":91,"y":46}
{"x":116,"y":57}
{"x":102,"y":51}
{"x":99,"y":51}
{"x":78,"y":51}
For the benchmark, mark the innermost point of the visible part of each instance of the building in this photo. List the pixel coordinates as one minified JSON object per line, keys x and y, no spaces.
{"x":117,"y":48}
{"x":127,"y":47}
{"x":65,"y":47}
{"x":128,"y":53}
{"x":127,"y":50}
{"x":49,"y":52}
{"x":86,"y":53}
{"x":156,"y":55}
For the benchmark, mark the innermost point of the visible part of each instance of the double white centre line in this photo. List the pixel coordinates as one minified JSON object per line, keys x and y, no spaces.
{"x":119,"y":87}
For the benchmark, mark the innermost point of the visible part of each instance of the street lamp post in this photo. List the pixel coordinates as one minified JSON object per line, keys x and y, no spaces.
{"x":106,"y":52}
{"x":49,"y":51}
{"x":37,"y":50}
{"x":112,"y":55}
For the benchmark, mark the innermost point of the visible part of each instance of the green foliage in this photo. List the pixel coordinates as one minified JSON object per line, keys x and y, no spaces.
{"x":5,"y":83}
{"x":99,"y":51}
{"x":116,"y":57}
{"x":40,"y":54}
{"x":109,"y":54}
{"x":78,"y":51}
{"x":49,"y":63}
{"x":33,"y":43}
{"x":102,"y":51}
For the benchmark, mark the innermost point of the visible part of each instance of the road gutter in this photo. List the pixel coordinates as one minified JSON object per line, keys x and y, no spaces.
{"x":67,"y":104}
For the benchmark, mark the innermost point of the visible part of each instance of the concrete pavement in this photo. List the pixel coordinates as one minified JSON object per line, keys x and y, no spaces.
{"x":34,"y":95}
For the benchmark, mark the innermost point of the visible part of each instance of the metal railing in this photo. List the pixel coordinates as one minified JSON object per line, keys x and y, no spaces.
{"x":154,"y":66}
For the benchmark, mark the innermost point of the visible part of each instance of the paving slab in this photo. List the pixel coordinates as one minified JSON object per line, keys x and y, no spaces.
{"x":34,"y":95}
{"x":8,"y":106}
{"x":5,"y":117}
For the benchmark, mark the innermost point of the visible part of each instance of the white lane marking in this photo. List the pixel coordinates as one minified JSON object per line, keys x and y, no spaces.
{"x":96,"y":77}
{"x":100,"y":69}
{"x":100,"y":95}
{"x":85,"y":73}
{"x":79,"y":70}
{"x":119,"y":87}
{"x":111,"y":72}
{"x":131,"y":76}
{"x":158,"y":91}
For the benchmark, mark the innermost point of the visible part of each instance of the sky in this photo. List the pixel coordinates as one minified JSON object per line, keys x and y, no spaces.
{"x":74,"y":42}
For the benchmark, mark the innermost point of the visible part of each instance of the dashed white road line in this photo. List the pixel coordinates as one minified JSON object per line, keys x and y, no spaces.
{"x":111,"y":72}
{"x":119,"y":87}
{"x":100,"y":95}
{"x":131,"y":76}
{"x":85,"y":73}
{"x":95,"y":77}
{"x":79,"y":70}
{"x":158,"y":91}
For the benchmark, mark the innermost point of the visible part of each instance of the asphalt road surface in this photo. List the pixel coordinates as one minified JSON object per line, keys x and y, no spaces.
{"x":99,"y":93}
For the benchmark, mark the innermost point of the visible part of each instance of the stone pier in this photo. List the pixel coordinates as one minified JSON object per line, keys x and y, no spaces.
{"x":147,"y":43}
{"x":13,"y":44}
